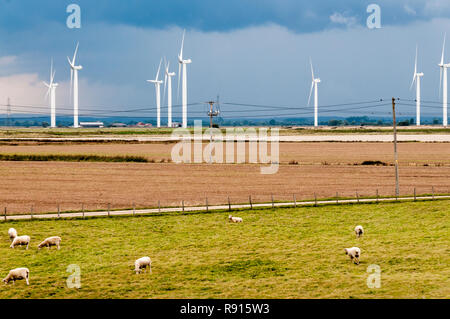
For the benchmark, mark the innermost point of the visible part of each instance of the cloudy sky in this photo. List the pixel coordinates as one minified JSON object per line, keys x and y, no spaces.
{"x":248,"y":51}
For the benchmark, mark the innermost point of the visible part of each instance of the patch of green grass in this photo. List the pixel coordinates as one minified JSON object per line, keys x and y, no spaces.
{"x":70,"y":158}
{"x":280,"y":253}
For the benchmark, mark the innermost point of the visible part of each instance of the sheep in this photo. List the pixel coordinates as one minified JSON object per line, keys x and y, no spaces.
{"x":359,"y":231}
{"x":235,"y":219}
{"x":20,"y":241}
{"x":17,"y":274}
{"x":354,"y":253}
{"x":12,"y":234}
{"x":143,"y":263}
{"x":51,"y":241}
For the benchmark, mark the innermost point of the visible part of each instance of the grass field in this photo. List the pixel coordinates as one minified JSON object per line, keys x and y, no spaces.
{"x":282,"y":253}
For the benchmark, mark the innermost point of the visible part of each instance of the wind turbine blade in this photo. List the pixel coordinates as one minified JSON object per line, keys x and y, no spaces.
{"x":310,"y":92}
{"x":443,"y":50}
{"x":442,"y":65}
{"x":412,"y":83}
{"x":182,"y":45}
{"x":75,"y":54}
{"x":312,"y":69}
{"x":178,"y":88}
{"x":159,"y":69}
{"x":415,"y":72}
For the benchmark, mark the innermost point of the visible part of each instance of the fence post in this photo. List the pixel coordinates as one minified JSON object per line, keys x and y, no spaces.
{"x":273,"y":205}
{"x":315,"y":199}
{"x":82,"y":209}
{"x":59,"y":211}
{"x":357,"y":197}
{"x":134,"y":209}
{"x":250,"y":200}
{"x":159,"y":206}
{"x":31,"y":212}
{"x":295,"y":202}
{"x":5,"y":214}
{"x":207,"y":204}
{"x":377,"y":195}
{"x":229,"y":204}
{"x":109,"y":208}
{"x":432,"y":191}
{"x":337,"y":198}
{"x":182,"y":203}
{"x":414,"y":194}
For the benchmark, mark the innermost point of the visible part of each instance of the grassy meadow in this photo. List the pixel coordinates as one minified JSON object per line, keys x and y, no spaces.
{"x":280,"y":253}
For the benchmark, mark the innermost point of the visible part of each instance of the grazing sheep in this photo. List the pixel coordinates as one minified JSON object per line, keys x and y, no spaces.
{"x":12,"y":234}
{"x":17,"y":274}
{"x":51,"y":241}
{"x":359,"y":231}
{"x":20,"y":241}
{"x":354,"y":253}
{"x":235,"y":219}
{"x":143,"y":262}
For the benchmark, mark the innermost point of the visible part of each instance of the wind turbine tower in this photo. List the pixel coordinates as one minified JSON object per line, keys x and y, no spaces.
{"x":416,"y":78}
{"x":168,"y":82}
{"x":314,"y":84}
{"x":158,"y":83}
{"x":74,"y":81}
{"x":183,"y":63}
{"x":52,"y":91}
{"x":443,"y":84}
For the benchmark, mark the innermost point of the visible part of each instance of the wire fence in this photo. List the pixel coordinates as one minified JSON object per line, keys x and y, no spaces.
{"x":206,"y":202}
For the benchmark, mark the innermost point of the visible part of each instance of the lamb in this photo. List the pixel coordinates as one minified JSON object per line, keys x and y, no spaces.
{"x":354,"y":253}
{"x":51,"y":241}
{"x":17,"y":274}
{"x":20,"y":241}
{"x":359,"y":231}
{"x":143,"y":262}
{"x":12,"y":234}
{"x":235,"y":219}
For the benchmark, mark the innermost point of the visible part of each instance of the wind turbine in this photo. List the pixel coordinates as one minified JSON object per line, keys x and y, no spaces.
{"x":74,"y":80}
{"x":416,"y":78}
{"x":158,"y":83}
{"x":184,"y":89}
{"x":316,"y":96}
{"x":443,"y":84}
{"x":168,"y":83}
{"x":52,"y":91}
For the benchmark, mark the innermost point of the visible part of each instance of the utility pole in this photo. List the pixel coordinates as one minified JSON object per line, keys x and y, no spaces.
{"x":397,"y":188}
{"x":212,"y":113}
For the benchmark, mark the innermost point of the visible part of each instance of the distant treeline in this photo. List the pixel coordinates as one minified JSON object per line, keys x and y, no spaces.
{"x":326,"y":121}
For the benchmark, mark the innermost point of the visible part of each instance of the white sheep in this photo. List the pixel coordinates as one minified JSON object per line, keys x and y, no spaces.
{"x":20,"y":241}
{"x":143,"y":262}
{"x":359,"y":231}
{"x":51,"y":241}
{"x":12,"y":234}
{"x":17,"y":274}
{"x":235,"y":219}
{"x":354,"y":253}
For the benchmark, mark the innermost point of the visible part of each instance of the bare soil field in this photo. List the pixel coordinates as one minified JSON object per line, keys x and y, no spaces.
{"x":43,"y":185}
{"x":435,"y":154}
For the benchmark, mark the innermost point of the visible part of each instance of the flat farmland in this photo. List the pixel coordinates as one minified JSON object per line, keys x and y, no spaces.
{"x":304,"y":153}
{"x":43,"y":185}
